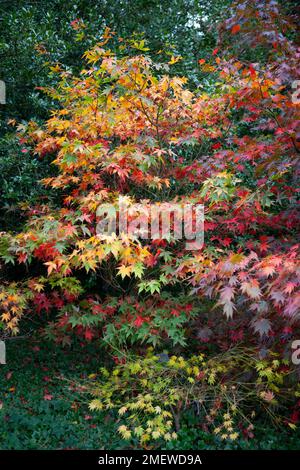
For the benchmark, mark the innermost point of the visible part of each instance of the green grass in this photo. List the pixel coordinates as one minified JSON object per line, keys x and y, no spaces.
{"x":41,"y":407}
{"x":266,"y":438}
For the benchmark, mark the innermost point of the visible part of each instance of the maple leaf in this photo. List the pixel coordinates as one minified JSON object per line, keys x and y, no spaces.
{"x":139,"y":321}
{"x":289,"y":287}
{"x":226,"y":296}
{"x":268,"y":270}
{"x":124,"y":271}
{"x":51,"y":266}
{"x":293,"y":306}
{"x":278,"y":297}
{"x":251,"y":288}
{"x":262,"y":326}
{"x":88,"y":417}
{"x":204,"y":334}
{"x":138,"y":270}
{"x":42,"y":302}
{"x":267,"y":396}
{"x":228,"y":309}
{"x":174,"y":59}
{"x":235,"y":29}
{"x":236,"y":258}
{"x":88,"y":334}
{"x":175,"y":312}
{"x":227,"y":293}
{"x":22,"y":257}
{"x":48,"y":396}
{"x":37,"y":286}
{"x":70,"y":230}
{"x":5,"y":317}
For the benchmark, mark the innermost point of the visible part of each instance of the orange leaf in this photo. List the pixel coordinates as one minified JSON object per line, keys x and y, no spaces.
{"x":235,"y":29}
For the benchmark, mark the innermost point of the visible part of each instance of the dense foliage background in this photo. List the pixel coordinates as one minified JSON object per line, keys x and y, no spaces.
{"x":26,"y":28}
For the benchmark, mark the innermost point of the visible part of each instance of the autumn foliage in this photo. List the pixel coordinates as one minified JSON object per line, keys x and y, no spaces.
{"x":127,"y":126}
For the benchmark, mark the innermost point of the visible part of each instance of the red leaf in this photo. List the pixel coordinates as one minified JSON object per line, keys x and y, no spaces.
{"x":175,"y":312}
{"x":48,"y":397}
{"x":216,"y":146}
{"x":139,"y":321}
{"x":88,"y":334}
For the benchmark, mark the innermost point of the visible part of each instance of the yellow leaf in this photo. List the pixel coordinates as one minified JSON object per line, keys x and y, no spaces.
{"x":124,"y":271}
{"x":174,"y":59}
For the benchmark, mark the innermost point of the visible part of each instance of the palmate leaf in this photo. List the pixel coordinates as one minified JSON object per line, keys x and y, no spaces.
{"x":262,"y":326}
{"x":124,"y":271}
